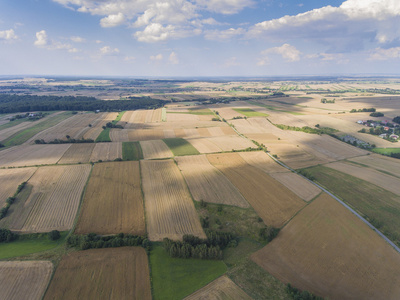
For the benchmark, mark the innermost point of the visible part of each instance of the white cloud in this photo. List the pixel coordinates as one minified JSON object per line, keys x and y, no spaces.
{"x":157,"y":57}
{"x":223,"y":34}
{"x":73,"y":50}
{"x":173,"y":58}
{"x":41,"y":39}
{"x":231,"y":62}
{"x":77,"y":39}
{"x":8,"y":35}
{"x":107,"y":50}
{"x":98,"y":42}
{"x":225,"y":6}
{"x":113,"y":20}
{"x":156,"y":32}
{"x":129,"y":58}
{"x":288,"y":52}
{"x":385,"y":54}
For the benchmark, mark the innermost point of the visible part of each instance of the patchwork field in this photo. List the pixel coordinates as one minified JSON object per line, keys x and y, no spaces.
{"x":272,"y":201}
{"x":97,"y":126}
{"x":24,"y":279}
{"x":204,"y":145}
{"x":378,"y":162}
{"x":116,"y":273}
{"x":106,"y":151}
{"x":10,"y":179}
{"x":169,"y":208}
{"x":327,"y":250}
{"x":207,"y":183}
{"x":261,"y":160}
{"x":77,"y":153}
{"x":220,"y":289}
{"x":113,"y":201}
{"x":53,"y":201}
{"x":155,"y":149}
{"x":131,"y":151}
{"x":31,"y":155}
{"x":134,"y":119}
{"x":180,"y":147}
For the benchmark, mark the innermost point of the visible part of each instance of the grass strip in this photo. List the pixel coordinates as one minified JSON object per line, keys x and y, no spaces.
{"x":104,"y":136}
{"x":250,"y":113}
{"x":131,"y":151}
{"x":386,"y":151}
{"x":181,"y":147}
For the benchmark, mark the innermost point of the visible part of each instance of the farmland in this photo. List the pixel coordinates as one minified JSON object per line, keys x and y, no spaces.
{"x":113,"y":200}
{"x":169,"y":208}
{"x":155,"y":149}
{"x":106,"y":151}
{"x":119,"y":273}
{"x":131,"y":151}
{"x":180,"y":147}
{"x":24,"y":279}
{"x":325,"y":249}
{"x":10,"y":179}
{"x":77,"y":153}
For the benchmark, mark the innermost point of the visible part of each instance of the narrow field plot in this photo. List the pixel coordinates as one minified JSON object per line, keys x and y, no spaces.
{"x":228,"y":113}
{"x":327,"y":250}
{"x":113,"y":200}
{"x":169,"y":207}
{"x":229,"y":143}
{"x":220,"y":289}
{"x":106,"y":151}
{"x":204,"y":145}
{"x":131,"y":151}
{"x":119,"y":135}
{"x":379,"y":162}
{"x":272,"y":201}
{"x":97,"y":125}
{"x":113,"y":273}
{"x":155,"y":149}
{"x":248,"y":112}
{"x":53,"y":201}
{"x":207,"y":183}
{"x":298,"y":185}
{"x":261,"y":160}
{"x":145,"y":134}
{"x":181,"y":147}
{"x":134,"y":119}
{"x":10,"y":179}
{"x":24,"y":279}
{"x":31,"y":155}
{"x":386,"y":182}
{"x":77,"y":153}
{"x":179,"y":117}
{"x":7,"y":132}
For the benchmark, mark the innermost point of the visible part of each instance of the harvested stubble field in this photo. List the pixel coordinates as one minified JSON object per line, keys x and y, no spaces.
{"x":133,"y":119}
{"x":220,"y":289}
{"x":155,"y":149}
{"x":207,"y":183}
{"x":106,"y":151}
{"x":327,"y":250}
{"x":119,"y":135}
{"x":272,"y":201}
{"x":10,"y":179}
{"x":261,"y":160}
{"x":381,"y":163}
{"x":77,"y":153}
{"x":31,"y":155}
{"x":385,"y":181}
{"x":204,"y":145}
{"x":24,"y":279}
{"x":231,"y":142}
{"x":97,"y":125}
{"x":53,"y":201}
{"x":169,"y":207}
{"x":113,"y":201}
{"x":113,"y":273}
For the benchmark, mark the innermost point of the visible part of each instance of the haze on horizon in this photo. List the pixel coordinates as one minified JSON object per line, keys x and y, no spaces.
{"x":199,"y":37}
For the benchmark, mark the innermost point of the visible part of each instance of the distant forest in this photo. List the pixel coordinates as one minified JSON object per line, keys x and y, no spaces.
{"x":27,"y":103}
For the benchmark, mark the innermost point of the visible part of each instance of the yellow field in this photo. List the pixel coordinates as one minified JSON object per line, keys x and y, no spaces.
{"x":207,"y":183}
{"x":77,"y":153}
{"x":327,"y":250}
{"x":31,"y":155}
{"x":272,"y":201}
{"x":10,"y":179}
{"x":261,"y":160}
{"x":106,"y":151}
{"x":169,"y":208}
{"x":155,"y":149}
{"x":379,"y":162}
{"x":24,"y":279}
{"x":220,"y":289}
{"x":133,"y":119}
{"x":204,"y":145}
{"x":113,"y":200}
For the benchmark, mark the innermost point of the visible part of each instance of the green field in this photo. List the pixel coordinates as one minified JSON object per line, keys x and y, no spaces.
{"x":24,"y":135}
{"x":28,"y":244}
{"x":14,"y":123}
{"x":176,"y":278}
{"x":379,"y":206}
{"x":180,"y":147}
{"x":131,"y":151}
{"x":249,"y":112}
{"x":386,"y":151}
{"x":104,"y":136}
{"x":118,"y":118}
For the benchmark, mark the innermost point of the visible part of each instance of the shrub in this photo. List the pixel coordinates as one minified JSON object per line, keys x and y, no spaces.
{"x":54,"y":235}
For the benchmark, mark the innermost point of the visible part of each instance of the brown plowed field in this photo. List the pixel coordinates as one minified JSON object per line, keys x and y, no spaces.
{"x":77,"y":153}
{"x":220,"y":289}
{"x":155,"y":149}
{"x":379,"y":162}
{"x":24,"y":279}
{"x":113,"y":200}
{"x":169,"y":207}
{"x":113,"y":273}
{"x":31,"y":155}
{"x":10,"y":179}
{"x":53,"y":201}
{"x":327,"y":250}
{"x":272,"y":201}
{"x":106,"y":151}
{"x":207,"y":183}
{"x":298,"y":185}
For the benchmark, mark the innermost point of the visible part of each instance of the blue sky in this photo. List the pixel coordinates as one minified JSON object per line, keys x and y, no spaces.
{"x":199,"y":37}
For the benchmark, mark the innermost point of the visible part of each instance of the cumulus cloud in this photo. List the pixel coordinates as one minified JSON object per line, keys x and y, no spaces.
{"x":157,"y":57}
{"x":156,"y":32}
{"x":113,"y":20}
{"x":223,"y":34}
{"x":8,"y":35}
{"x":385,"y":54}
{"x":107,"y":50}
{"x":225,"y":6}
{"x":173,"y":58}
{"x":288,"y":52}
{"x":77,"y":39}
{"x":41,"y":39}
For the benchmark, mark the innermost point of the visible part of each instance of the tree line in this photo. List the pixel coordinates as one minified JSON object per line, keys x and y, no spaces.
{"x":11,"y":103}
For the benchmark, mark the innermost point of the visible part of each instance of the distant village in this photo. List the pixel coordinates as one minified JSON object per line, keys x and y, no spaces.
{"x":383,"y":129}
